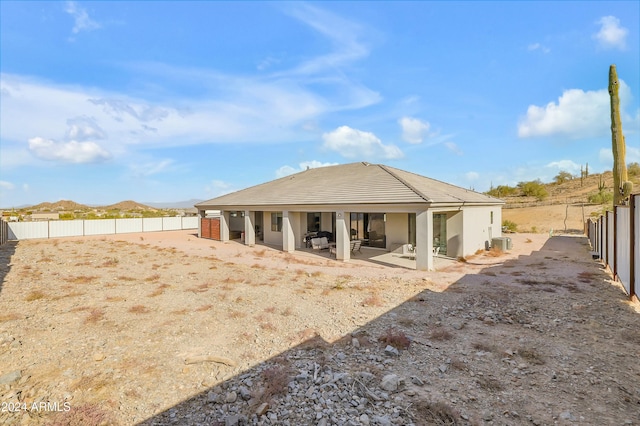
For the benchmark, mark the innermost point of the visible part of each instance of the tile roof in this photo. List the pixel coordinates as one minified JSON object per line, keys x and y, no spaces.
{"x":354,"y":183}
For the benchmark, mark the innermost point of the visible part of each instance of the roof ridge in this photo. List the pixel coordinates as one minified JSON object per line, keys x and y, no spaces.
{"x":405,"y":183}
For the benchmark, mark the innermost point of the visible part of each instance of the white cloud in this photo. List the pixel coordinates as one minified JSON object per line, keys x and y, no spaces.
{"x":413,"y":130}
{"x":67,"y":152}
{"x":538,"y":46}
{"x":453,"y":147}
{"x":611,"y":34}
{"x":632,"y":156}
{"x":150,"y":168}
{"x":218,"y":187}
{"x":577,"y":114}
{"x":84,"y":128}
{"x":6,"y":185}
{"x":353,"y":143}
{"x":82,"y":21}
{"x":472,"y":176}
{"x":565,"y":166}
{"x":313,"y":164}
{"x":344,"y":34}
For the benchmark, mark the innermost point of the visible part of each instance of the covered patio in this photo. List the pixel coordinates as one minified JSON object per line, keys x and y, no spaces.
{"x":383,"y":208}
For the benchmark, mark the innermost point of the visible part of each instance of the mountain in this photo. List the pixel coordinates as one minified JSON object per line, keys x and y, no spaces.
{"x":62,"y":205}
{"x":127,"y":205}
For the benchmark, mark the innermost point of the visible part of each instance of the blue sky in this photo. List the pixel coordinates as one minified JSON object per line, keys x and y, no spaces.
{"x":168,"y":101}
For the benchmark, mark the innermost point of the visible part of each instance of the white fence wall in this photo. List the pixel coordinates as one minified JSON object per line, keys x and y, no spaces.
{"x":73,"y":228}
{"x":190,"y":222}
{"x":126,"y":226}
{"x":66,"y":228}
{"x":610,"y":238}
{"x":635,"y":277}
{"x":619,"y":248}
{"x":623,"y":247}
{"x":28,"y":230}
{"x":100,"y":227}
{"x":172,"y":223}
{"x":153,"y":224}
{"x":4,"y":232}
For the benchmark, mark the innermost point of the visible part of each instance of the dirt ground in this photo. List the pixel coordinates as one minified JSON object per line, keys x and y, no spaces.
{"x":559,"y":218}
{"x":135,"y":328}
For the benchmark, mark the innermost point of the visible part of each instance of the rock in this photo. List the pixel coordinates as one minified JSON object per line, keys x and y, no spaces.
{"x":98,"y":356}
{"x":322,"y":422}
{"x":244,"y":393}
{"x":231,"y":397}
{"x":390,"y":382}
{"x":212,"y":397}
{"x":5,"y":379}
{"x":416,"y":381}
{"x":443,"y":368}
{"x":382,"y":420}
{"x":262,"y":409}
{"x":364,"y":419}
{"x":232,"y":420}
{"x":391,"y":351}
{"x":566,"y":415}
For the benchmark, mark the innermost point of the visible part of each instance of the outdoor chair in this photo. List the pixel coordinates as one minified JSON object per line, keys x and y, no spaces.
{"x":320,"y":243}
{"x":355,"y":246}
{"x":409,"y":250}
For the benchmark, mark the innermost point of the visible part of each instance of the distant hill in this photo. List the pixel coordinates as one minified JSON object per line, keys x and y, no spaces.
{"x":572,"y":191}
{"x":127,"y":205}
{"x":62,"y":205}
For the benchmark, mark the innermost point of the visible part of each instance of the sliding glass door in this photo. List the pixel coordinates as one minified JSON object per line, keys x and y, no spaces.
{"x":369,"y":228}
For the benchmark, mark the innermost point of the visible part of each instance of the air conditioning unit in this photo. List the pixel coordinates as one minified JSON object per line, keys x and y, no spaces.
{"x":502,"y":243}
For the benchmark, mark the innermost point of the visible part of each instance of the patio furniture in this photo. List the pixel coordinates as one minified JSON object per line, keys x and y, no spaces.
{"x":355,"y":246}
{"x":409,"y":250}
{"x":320,"y":243}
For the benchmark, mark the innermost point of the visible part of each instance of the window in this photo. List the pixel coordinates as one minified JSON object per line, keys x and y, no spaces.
{"x":491,"y":218}
{"x":276,"y":222}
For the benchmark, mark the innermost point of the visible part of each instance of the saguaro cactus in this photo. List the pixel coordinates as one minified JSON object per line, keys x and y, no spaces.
{"x":621,"y":185}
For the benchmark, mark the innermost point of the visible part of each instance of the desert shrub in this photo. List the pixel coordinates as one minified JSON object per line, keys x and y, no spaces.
{"x":562,"y":177}
{"x":435,"y":414}
{"x":533,"y":188}
{"x":601,"y":197}
{"x":502,"y":191}
{"x":509,"y":225}
{"x":633,"y":169}
{"x":396,"y":338}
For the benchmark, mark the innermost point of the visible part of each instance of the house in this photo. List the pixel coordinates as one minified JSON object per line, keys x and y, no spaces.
{"x":382,"y":206}
{"x":45,"y":216}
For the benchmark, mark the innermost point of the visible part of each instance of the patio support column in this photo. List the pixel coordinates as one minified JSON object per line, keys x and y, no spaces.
{"x":288,"y":238}
{"x":225,"y":218}
{"x":343,"y":236}
{"x":249,"y":228}
{"x":201,"y":215}
{"x":424,"y":241}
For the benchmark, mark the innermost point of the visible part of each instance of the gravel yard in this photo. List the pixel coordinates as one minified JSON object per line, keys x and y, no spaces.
{"x":165,"y":328}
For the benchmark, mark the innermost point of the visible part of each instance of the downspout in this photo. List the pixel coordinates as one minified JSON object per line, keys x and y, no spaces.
{"x":632,"y":248}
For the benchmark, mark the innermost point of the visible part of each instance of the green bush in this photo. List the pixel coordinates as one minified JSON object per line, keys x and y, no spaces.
{"x":502,"y":191}
{"x":633,"y":169}
{"x":509,"y":226}
{"x":534,"y":188}
{"x":562,"y":177}
{"x":601,"y":197}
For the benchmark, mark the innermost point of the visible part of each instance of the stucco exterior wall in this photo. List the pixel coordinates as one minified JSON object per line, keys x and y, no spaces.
{"x":325,"y":222}
{"x":236,"y":223}
{"x":455,"y":236}
{"x":479,"y":229}
{"x":397,"y":229}
{"x":271,"y":237}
